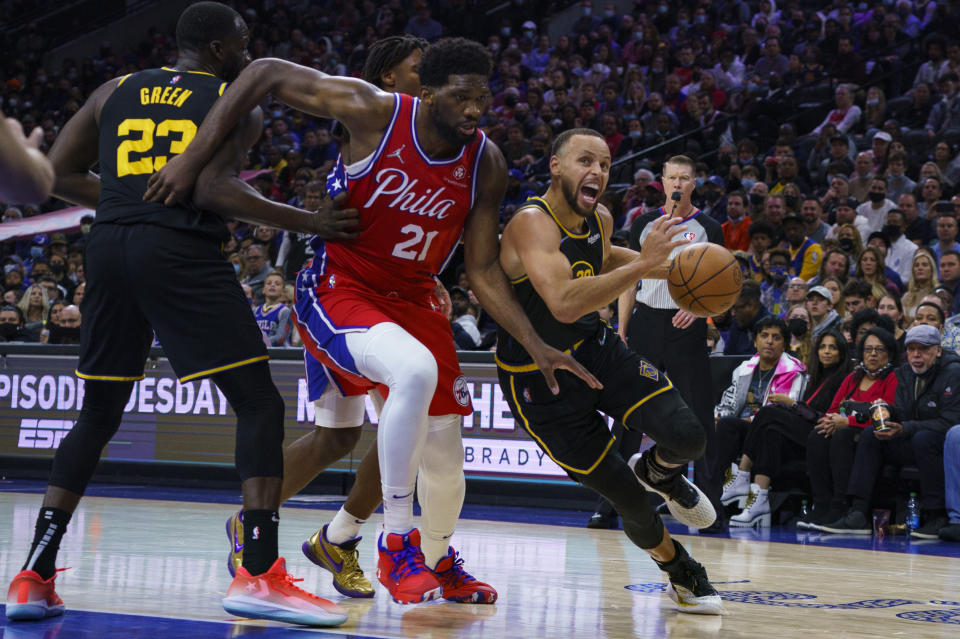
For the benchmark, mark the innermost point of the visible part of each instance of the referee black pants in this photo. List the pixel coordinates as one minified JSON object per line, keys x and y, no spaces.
{"x":682,"y":354}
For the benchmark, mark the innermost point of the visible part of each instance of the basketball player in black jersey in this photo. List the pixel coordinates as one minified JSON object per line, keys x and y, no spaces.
{"x":557,"y":253}
{"x":152,"y":268}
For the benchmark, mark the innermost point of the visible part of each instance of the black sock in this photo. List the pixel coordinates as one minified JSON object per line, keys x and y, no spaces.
{"x":657,"y":472}
{"x":51,"y":524}
{"x":259,"y":540}
{"x":670,"y":566}
{"x":861,"y":506}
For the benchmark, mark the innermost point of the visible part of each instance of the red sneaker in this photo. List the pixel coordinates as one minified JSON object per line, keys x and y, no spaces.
{"x":401,"y":569}
{"x":272,"y":595}
{"x":32,"y":597}
{"x":458,"y":584}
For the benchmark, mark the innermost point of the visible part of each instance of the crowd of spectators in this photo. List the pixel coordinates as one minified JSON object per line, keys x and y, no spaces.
{"x":826,"y":136}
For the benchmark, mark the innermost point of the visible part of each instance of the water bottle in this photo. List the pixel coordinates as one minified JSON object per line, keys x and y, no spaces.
{"x":913,"y":513}
{"x":804,"y":511}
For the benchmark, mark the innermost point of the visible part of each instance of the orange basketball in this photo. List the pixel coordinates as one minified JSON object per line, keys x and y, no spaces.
{"x":704,"y":279}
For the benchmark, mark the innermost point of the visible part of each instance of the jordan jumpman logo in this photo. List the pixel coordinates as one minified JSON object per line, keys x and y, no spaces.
{"x":396,"y":154}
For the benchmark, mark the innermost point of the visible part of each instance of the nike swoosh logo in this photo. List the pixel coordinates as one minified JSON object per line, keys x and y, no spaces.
{"x":336,"y":564}
{"x":237,"y":546}
{"x":359,"y":522}
{"x":403,"y":496}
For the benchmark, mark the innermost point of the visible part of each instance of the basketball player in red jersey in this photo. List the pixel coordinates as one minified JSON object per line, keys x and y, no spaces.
{"x":421,"y":174}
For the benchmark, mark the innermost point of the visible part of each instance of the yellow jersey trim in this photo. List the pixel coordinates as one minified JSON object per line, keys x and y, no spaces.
{"x":197,"y":72}
{"x":578,"y":236}
{"x":528,"y":368}
{"x":526,"y":427}
{"x":517,"y":281}
{"x":124,"y":79}
{"x":603,"y":238}
{"x":108,"y":378}
{"x":645,"y":399}
{"x":223,"y":88}
{"x":225,"y":367}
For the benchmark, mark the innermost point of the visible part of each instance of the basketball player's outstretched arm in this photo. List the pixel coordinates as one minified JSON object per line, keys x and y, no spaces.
{"x":489,"y":282}
{"x":26,"y":175}
{"x":220,"y":190}
{"x":77,"y":149}
{"x":362,"y":108}
{"x":531,"y":244}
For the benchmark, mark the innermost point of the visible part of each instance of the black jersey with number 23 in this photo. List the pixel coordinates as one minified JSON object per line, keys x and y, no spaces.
{"x":150,"y":117}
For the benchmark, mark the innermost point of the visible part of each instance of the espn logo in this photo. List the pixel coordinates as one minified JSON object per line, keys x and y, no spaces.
{"x":43,"y":433}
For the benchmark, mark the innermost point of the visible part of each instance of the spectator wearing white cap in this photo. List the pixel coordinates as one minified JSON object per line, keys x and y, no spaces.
{"x":820,"y":305}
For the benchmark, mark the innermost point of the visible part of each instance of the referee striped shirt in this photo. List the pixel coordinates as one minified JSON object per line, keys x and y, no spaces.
{"x":700,"y":228}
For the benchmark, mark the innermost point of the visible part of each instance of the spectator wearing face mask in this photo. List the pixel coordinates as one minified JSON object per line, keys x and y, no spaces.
{"x":11,"y":324}
{"x":67,"y":330}
{"x":773,"y":289}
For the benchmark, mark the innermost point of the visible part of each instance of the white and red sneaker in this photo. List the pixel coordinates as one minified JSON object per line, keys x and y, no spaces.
{"x":401,"y":569}
{"x":273,"y":595}
{"x":30,"y":596}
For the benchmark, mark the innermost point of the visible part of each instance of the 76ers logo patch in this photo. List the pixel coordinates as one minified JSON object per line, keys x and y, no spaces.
{"x":461,"y":392}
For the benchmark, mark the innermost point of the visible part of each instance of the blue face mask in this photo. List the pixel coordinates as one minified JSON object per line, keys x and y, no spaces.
{"x":638,"y":35}
{"x":528,"y":35}
{"x":700,"y":182}
{"x":36,"y":252}
{"x":236,"y":269}
{"x":505,"y":32}
{"x":636,"y":134}
{"x":700,"y":20}
{"x":747,"y":183}
{"x":662,"y":9}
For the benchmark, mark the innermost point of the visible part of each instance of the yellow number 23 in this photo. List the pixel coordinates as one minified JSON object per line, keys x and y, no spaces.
{"x":148,"y":129}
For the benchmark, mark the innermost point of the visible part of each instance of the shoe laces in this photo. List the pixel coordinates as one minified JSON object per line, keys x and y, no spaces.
{"x":455,"y":573}
{"x":751,"y":498}
{"x":351,"y":560}
{"x":727,"y":477}
{"x":695,"y":578}
{"x":288,"y":582}
{"x":406,"y":562}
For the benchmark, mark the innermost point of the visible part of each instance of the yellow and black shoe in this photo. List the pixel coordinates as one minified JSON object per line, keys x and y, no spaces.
{"x":340,"y":559}
{"x":235,"y":537}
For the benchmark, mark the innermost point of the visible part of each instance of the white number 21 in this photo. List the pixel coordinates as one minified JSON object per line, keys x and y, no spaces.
{"x":407,"y":249}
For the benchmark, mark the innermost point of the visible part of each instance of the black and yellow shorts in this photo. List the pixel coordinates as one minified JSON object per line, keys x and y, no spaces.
{"x":143,"y":278}
{"x":568,"y":426}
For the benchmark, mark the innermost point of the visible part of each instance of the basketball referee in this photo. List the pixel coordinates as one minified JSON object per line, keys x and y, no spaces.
{"x":675,"y":341}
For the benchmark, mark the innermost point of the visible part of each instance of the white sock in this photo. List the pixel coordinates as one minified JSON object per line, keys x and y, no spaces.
{"x":397,"y":509}
{"x":344,"y":527}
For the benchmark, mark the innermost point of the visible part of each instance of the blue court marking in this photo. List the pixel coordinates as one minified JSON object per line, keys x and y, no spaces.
{"x":803,"y":600}
{"x":522,"y":515}
{"x":77,"y":624}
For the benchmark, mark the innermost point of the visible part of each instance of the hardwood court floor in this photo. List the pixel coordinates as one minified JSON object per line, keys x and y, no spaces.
{"x":149,"y":568}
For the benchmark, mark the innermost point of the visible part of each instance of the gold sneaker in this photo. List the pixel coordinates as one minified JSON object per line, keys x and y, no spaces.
{"x":235,"y":537}
{"x":341,"y":560}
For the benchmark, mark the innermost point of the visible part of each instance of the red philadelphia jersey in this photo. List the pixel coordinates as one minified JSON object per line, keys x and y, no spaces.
{"x":412,"y":209}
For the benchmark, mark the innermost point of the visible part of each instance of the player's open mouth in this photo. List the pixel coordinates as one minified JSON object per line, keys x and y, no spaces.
{"x":467,"y":129}
{"x":589,"y":193}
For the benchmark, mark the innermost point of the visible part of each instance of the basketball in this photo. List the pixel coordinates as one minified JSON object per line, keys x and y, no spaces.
{"x":704,"y":279}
